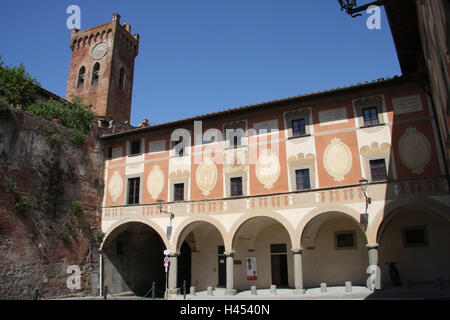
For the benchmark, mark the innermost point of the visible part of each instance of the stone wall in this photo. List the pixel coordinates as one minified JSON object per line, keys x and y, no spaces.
{"x":41,"y":173}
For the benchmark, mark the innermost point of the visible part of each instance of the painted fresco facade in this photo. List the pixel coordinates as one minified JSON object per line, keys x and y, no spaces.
{"x":336,"y":148}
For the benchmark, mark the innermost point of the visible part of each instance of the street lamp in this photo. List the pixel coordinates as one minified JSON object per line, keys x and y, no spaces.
{"x":160,"y":204}
{"x":364,"y":218}
{"x":351,"y":8}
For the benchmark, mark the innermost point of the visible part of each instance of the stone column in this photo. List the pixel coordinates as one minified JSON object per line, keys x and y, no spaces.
{"x":374,"y":280}
{"x":230,"y":273}
{"x":173,"y":271}
{"x":298,"y":271}
{"x":373,"y":254}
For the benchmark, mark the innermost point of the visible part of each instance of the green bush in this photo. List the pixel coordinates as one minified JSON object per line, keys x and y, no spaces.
{"x":10,"y":185}
{"x":74,"y":115}
{"x":76,"y":208}
{"x":77,"y":138}
{"x":100,"y":236}
{"x":52,"y":186}
{"x":68,"y":226}
{"x":54,"y":140}
{"x":17,"y":87}
{"x":63,"y":235}
{"x":21,"y":204}
{"x":5,"y":109}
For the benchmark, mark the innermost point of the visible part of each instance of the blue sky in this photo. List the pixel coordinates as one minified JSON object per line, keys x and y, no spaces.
{"x":202,"y":56}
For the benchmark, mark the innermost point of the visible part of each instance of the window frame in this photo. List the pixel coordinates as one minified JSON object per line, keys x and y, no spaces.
{"x":135,"y":194}
{"x":180,"y":153}
{"x":95,"y":74}
{"x":373,"y":117}
{"x":241,"y":187}
{"x":303,"y":132}
{"x":121,"y":84}
{"x":174,"y":191}
{"x":132,"y":144}
{"x":378,"y":102}
{"x":385,"y":169}
{"x":296,"y":178}
{"x":336,"y":242}
{"x":303,"y":113}
{"x":81,"y":76}
{"x":417,"y":245}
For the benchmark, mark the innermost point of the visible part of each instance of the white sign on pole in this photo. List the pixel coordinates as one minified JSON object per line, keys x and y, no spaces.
{"x":252,"y":269}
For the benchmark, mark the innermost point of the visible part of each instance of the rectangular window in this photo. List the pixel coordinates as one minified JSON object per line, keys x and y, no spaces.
{"x":180,"y":148}
{"x":236,"y":141}
{"x":135,"y":147}
{"x":236,"y":187}
{"x":378,"y":170}
{"x":370,"y":116}
{"x":298,"y":127}
{"x":133,"y":190}
{"x":345,"y":240}
{"x":303,"y":180}
{"x":278,"y":248}
{"x":220,"y":249}
{"x":415,"y":237}
{"x":178,"y":192}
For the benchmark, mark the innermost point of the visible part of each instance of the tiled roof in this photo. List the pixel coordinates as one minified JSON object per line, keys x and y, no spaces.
{"x":337,"y":90}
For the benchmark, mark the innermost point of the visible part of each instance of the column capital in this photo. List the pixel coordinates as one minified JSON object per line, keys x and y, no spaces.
{"x":229,"y":253}
{"x":372,"y":246}
{"x":174,"y":254}
{"x":296,"y":250}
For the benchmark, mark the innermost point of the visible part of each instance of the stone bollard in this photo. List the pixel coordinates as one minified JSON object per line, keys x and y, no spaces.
{"x":323,"y":287}
{"x":253,"y":290}
{"x":348,"y":286}
{"x":273,"y":290}
{"x":192,"y":291}
{"x":210,"y":291}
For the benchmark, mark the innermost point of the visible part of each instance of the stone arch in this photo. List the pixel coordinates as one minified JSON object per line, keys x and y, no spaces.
{"x":350,"y":212}
{"x":176,"y":243}
{"x":110,"y":231}
{"x":334,"y":247}
{"x":413,"y":233}
{"x":133,"y":257}
{"x":389,"y":210}
{"x":273,"y":215}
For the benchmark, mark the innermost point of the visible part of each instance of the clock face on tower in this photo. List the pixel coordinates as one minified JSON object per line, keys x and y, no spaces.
{"x":99,"y":50}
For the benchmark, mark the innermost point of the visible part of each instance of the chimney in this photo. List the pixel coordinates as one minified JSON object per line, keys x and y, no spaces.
{"x":116,"y":17}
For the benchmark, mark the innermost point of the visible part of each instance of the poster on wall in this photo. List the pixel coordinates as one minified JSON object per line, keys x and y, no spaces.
{"x":252,"y":271}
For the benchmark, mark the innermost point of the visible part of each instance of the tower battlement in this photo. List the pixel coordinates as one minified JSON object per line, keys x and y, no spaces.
{"x":102,"y":68}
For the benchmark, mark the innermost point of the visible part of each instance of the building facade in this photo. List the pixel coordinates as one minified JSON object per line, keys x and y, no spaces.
{"x":318,"y":188}
{"x":283,"y":200}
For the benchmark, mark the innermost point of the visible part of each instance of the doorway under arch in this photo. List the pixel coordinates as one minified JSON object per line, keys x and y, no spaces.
{"x":198,"y":264}
{"x":262,"y":249}
{"x":133,"y":260}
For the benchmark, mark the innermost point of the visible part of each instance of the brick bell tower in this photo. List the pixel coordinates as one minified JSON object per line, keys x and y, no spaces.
{"x":102,"y":68}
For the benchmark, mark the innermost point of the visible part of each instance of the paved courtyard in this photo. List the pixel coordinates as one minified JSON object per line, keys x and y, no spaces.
{"x":333,"y":293}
